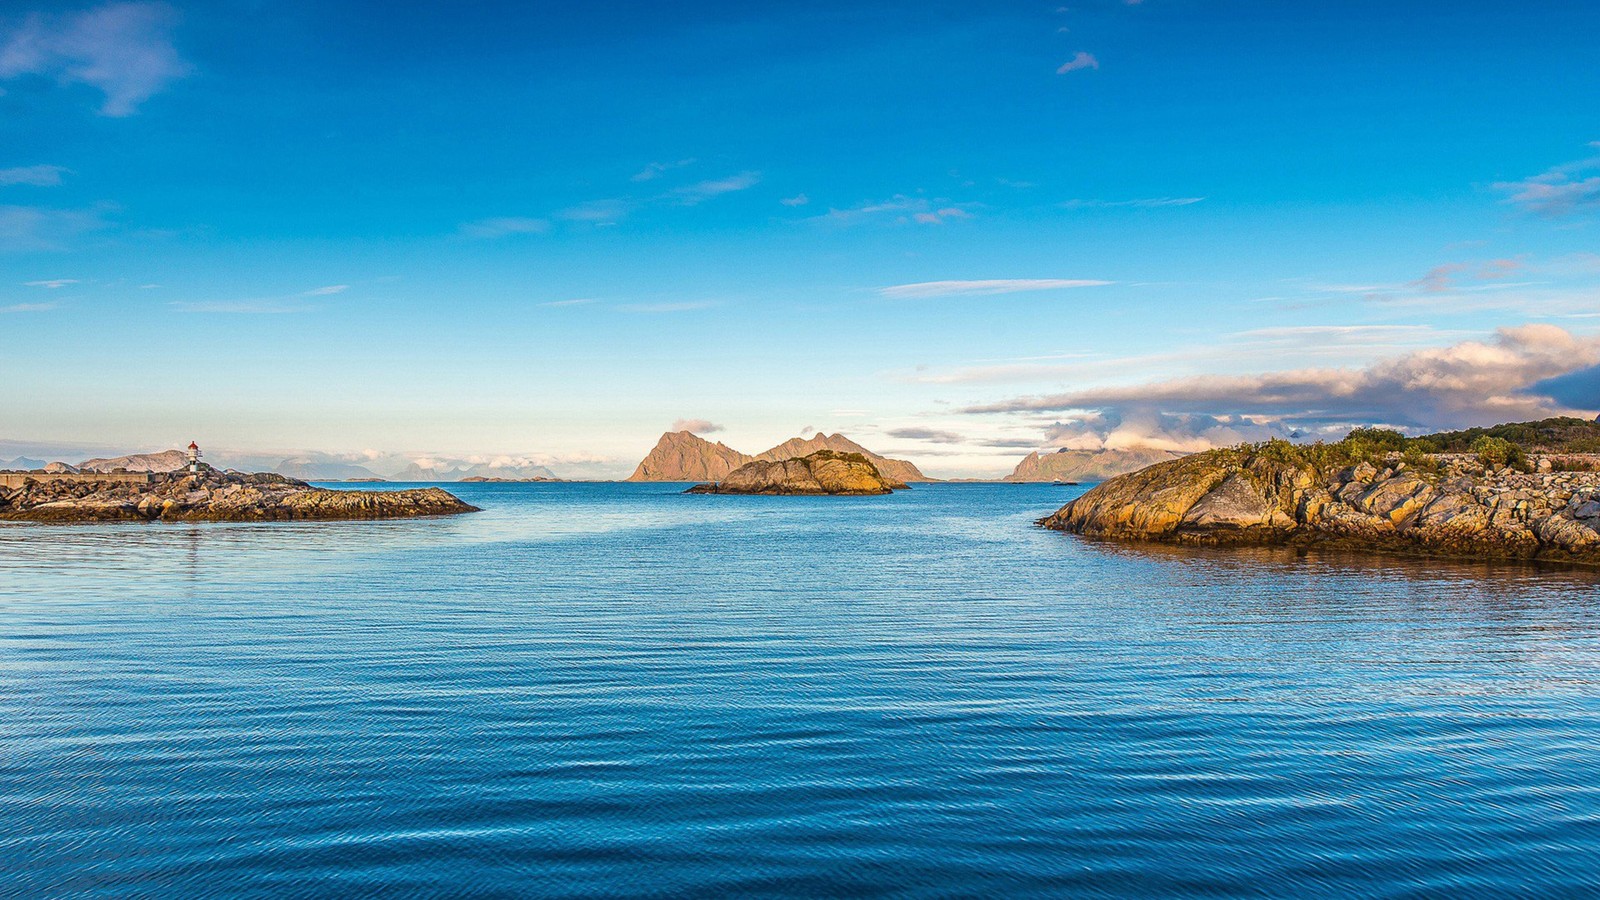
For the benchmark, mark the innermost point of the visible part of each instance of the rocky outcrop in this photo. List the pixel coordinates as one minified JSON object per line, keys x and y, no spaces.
{"x":1087,"y":465}
{"x":213,"y":496}
{"x":822,"y":472}
{"x":684,"y":456}
{"x":893,"y":469}
{"x":1453,"y":507}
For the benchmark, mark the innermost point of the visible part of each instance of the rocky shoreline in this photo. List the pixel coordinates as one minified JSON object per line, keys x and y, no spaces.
{"x":1452,"y":505}
{"x":213,"y":496}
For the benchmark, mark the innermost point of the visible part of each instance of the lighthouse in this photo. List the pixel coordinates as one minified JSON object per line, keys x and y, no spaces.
{"x":194,"y":458}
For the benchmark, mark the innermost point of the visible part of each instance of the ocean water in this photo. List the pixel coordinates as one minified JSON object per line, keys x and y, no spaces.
{"x":619,"y":690}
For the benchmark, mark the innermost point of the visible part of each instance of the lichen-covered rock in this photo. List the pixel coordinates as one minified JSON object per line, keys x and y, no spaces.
{"x":214,"y":496}
{"x":1240,"y":496}
{"x":823,"y":472}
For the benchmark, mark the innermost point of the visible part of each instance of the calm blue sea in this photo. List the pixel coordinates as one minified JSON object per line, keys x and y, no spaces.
{"x":619,"y":690}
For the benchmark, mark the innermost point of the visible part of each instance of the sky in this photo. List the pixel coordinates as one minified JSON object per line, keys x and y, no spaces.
{"x":956,"y":232}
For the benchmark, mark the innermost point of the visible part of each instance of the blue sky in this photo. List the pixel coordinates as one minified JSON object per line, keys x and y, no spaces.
{"x":955,"y":231}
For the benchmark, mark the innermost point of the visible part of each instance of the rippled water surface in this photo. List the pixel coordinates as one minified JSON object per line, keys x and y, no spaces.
{"x":620,"y":690}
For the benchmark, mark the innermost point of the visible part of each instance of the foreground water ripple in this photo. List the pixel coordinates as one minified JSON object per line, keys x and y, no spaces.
{"x":619,"y":690}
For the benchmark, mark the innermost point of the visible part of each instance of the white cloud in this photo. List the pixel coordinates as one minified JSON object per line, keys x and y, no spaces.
{"x":328,"y":290}
{"x":122,"y":49}
{"x":597,"y":212}
{"x":238,"y":307}
{"x":1079,"y":62}
{"x":1140,"y":203}
{"x":796,"y":200}
{"x":705,"y":190}
{"x":52,"y":284}
{"x":1559,"y":191}
{"x":27,"y":307}
{"x":657,"y":169}
{"x":698,"y":426}
{"x":576,"y":301}
{"x":901,"y":209}
{"x":34,"y":228}
{"x":992,"y":286}
{"x":503,"y":226}
{"x":37,"y":176}
{"x":667,"y":307}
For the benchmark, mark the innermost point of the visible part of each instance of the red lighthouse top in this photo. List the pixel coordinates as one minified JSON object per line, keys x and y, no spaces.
{"x":193,"y":446}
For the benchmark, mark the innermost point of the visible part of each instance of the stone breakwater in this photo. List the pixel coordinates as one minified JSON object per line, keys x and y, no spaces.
{"x":1244,"y":497}
{"x":213,"y":496}
{"x":823,"y":472}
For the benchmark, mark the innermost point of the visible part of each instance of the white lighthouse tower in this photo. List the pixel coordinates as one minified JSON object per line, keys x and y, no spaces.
{"x":194,"y":458}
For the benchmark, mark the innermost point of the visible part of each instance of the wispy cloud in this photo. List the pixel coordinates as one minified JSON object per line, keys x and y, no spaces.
{"x":27,"y":307}
{"x":796,"y":200}
{"x":503,"y":226}
{"x":238,"y":307}
{"x":1140,"y":203}
{"x":1468,"y":383}
{"x":901,"y":209}
{"x":657,"y":308}
{"x":122,"y":49}
{"x":657,"y":169}
{"x":1079,"y":62}
{"x":698,"y":426}
{"x":37,"y":176}
{"x":597,"y":212}
{"x":51,"y":284}
{"x":978,"y":288}
{"x":281,"y":305}
{"x":1438,"y":279}
{"x":699,"y":192}
{"x":1560,"y":191}
{"x":34,"y":228}
{"x":576,"y":301}
{"x":931,"y":435}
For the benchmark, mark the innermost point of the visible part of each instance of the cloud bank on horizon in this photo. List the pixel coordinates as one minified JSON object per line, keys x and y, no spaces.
{"x":1527,"y":372}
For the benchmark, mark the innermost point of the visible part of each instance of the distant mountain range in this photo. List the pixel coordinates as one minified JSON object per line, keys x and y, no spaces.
{"x":165,"y":461}
{"x":480,"y":472}
{"x":21,"y":464}
{"x":685,"y":456}
{"x":1087,"y":465}
{"x":310,"y":467}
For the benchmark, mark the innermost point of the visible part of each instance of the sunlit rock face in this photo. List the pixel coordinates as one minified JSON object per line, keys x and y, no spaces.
{"x":1457,"y":507}
{"x":823,"y":472}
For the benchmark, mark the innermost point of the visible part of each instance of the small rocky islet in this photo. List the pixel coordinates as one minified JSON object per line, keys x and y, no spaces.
{"x":209,"y":495}
{"x":823,"y":473}
{"x":1535,"y":498}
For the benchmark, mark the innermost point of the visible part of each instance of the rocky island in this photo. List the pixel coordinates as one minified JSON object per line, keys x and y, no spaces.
{"x":685,"y":456}
{"x":207,"y":496}
{"x":825,"y":472}
{"x":1521,"y":491}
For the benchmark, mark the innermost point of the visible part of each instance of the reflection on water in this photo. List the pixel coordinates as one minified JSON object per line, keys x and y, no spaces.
{"x":619,"y":689}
